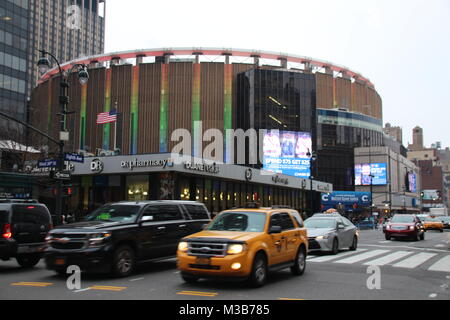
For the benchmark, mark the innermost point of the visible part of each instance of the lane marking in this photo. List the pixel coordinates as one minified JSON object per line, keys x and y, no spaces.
{"x":198,"y":293}
{"x":389,"y":258}
{"x":107,"y":288}
{"x":362,"y":256}
{"x":415,"y":261}
{"x":403,"y":247}
{"x":328,"y":258}
{"x":291,"y":299}
{"x":442,"y":265}
{"x":137,"y":279}
{"x":32,"y":284}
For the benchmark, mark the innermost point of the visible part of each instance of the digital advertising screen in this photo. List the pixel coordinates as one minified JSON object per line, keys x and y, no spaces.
{"x":363,"y":171}
{"x":285,"y":152}
{"x":412,"y":182}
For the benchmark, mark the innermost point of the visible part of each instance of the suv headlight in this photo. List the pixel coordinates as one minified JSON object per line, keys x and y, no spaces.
{"x":98,"y":239}
{"x":183,"y":246}
{"x":235,"y":248}
{"x":323,"y":237}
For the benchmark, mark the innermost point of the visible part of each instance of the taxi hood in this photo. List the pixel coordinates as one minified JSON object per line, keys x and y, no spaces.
{"x":220,"y":236}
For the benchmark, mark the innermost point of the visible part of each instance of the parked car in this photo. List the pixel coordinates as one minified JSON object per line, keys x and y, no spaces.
{"x":245,"y":244}
{"x":116,"y":236}
{"x":367,"y":223}
{"x":23,"y":225}
{"x":446,"y":221}
{"x":405,"y":226}
{"x":330,"y":233}
{"x":433,"y":223}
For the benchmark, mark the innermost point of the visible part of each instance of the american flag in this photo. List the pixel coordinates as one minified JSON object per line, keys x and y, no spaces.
{"x":107,"y":117}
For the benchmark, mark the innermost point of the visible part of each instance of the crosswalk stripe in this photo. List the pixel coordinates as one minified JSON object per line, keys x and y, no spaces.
{"x":442,"y":265}
{"x":362,"y":256}
{"x":329,"y":258}
{"x":389,"y":258}
{"x":414,"y":261}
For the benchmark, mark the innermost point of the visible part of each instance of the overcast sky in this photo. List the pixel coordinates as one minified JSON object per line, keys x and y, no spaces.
{"x":402,"y":46}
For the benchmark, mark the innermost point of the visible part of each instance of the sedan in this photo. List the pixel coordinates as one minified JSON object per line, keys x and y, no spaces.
{"x":330,"y":234}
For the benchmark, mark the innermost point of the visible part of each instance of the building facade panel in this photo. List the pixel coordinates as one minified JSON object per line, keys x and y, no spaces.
{"x":95,"y":105}
{"x":324,"y":84}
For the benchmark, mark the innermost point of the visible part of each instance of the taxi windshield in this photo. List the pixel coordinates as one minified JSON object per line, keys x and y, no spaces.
{"x":429,"y":219}
{"x":320,"y":223}
{"x":239,"y":221}
{"x":114,"y":213}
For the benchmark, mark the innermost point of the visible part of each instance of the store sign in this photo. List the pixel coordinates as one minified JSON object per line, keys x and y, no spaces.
{"x":248,"y":174}
{"x":96,"y":166}
{"x":346,"y":198}
{"x":202,"y":167}
{"x":136,"y":163}
{"x":278,"y":179}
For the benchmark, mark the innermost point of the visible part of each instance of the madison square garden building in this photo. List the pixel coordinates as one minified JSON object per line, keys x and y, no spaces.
{"x":306,"y":107}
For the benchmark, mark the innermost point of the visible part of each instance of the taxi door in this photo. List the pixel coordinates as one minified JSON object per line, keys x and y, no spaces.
{"x":292,"y":236}
{"x":277,"y":243}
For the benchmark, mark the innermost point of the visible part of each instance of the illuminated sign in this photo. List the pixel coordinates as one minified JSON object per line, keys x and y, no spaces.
{"x":412,"y":184}
{"x":285,"y":152}
{"x":364,"y":171}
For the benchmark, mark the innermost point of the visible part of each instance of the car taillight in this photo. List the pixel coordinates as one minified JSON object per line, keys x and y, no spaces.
{"x":7,"y":231}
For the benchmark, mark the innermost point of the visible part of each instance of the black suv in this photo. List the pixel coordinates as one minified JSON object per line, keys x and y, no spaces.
{"x":116,"y":236}
{"x":23,"y":226}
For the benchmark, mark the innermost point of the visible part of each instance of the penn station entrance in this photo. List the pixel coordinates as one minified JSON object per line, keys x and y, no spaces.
{"x":219,"y":186}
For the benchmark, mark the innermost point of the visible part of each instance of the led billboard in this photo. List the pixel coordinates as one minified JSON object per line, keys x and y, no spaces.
{"x":412,"y":184}
{"x":364,"y":170}
{"x":285,"y":152}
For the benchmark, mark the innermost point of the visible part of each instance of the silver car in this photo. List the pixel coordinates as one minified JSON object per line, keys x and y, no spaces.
{"x":330,"y":233}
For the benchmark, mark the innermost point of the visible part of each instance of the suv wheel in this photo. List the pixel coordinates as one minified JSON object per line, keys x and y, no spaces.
{"x":335,"y":248}
{"x":123,"y":261}
{"x":28,"y":261}
{"x":189,"y":278}
{"x":422,"y":236}
{"x":387,"y":237}
{"x":300,"y":262}
{"x":258,"y":276}
{"x":354,"y":244}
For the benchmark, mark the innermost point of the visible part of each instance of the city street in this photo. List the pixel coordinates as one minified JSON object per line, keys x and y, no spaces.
{"x":409,"y":270}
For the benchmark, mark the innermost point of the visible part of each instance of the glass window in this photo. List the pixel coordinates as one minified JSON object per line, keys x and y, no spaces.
{"x":137,"y":188}
{"x":286,"y":221}
{"x":196,"y":211}
{"x":30,"y":214}
{"x":320,"y":223}
{"x":164,"y":212}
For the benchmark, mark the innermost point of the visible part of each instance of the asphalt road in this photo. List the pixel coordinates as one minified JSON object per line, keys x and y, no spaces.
{"x":418,"y":270}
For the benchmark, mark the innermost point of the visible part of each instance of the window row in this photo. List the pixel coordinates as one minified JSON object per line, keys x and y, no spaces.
{"x":13,"y":62}
{"x":13,"y":84}
{"x":13,"y":40}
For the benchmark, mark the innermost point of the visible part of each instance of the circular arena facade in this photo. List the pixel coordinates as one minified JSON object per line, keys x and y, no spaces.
{"x":157,"y":91}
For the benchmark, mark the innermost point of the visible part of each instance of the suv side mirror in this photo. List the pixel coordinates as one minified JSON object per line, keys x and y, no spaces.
{"x":340,"y":226}
{"x":275,"y":229}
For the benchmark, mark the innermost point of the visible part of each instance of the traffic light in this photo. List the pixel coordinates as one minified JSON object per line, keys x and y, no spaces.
{"x":422,"y":194}
{"x":67,"y":190}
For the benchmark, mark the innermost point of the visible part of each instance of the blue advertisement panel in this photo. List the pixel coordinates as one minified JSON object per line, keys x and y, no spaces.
{"x":286,"y":152}
{"x":351,"y":200}
{"x":364,"y":170}
{"x":412,"y":182}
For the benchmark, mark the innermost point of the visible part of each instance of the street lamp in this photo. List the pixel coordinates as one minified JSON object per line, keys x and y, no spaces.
{"x":313,"y":157}
{"x":83,"y":77}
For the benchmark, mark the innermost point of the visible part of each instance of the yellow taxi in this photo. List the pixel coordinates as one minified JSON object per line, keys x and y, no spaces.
{"x":245,"y":244}
{"x":433,"y":223}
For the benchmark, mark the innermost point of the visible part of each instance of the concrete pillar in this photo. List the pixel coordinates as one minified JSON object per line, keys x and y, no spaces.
{"x":328,"y":70}
{"x":140,"y":59}
{"x":115,"y":61}
{"x":93,"y":64}
{"x":283,"y":62}
{"x":197,"y":56}
{"x":167,"y":57}
{"x":256,"y":60}
{"x":345,"y":75}
{"x":307,"y":66}
{"x":227,"y":57}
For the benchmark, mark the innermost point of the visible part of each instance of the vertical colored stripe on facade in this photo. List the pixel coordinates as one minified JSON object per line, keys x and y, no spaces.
{"x":134,"y":109}
{"x":107,"y":107}
{"x":83,"y":117}
{"x":334,"y":92}
{"x":49,"y":107}
{"x":227,"y":111}
{"x":196,"y":140}
{"x":164,"y":105}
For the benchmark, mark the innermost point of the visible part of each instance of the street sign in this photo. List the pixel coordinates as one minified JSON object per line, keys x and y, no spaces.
{"x":75,"y":157}
{"x":48,"y":163}
{"x":61,"y":175}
